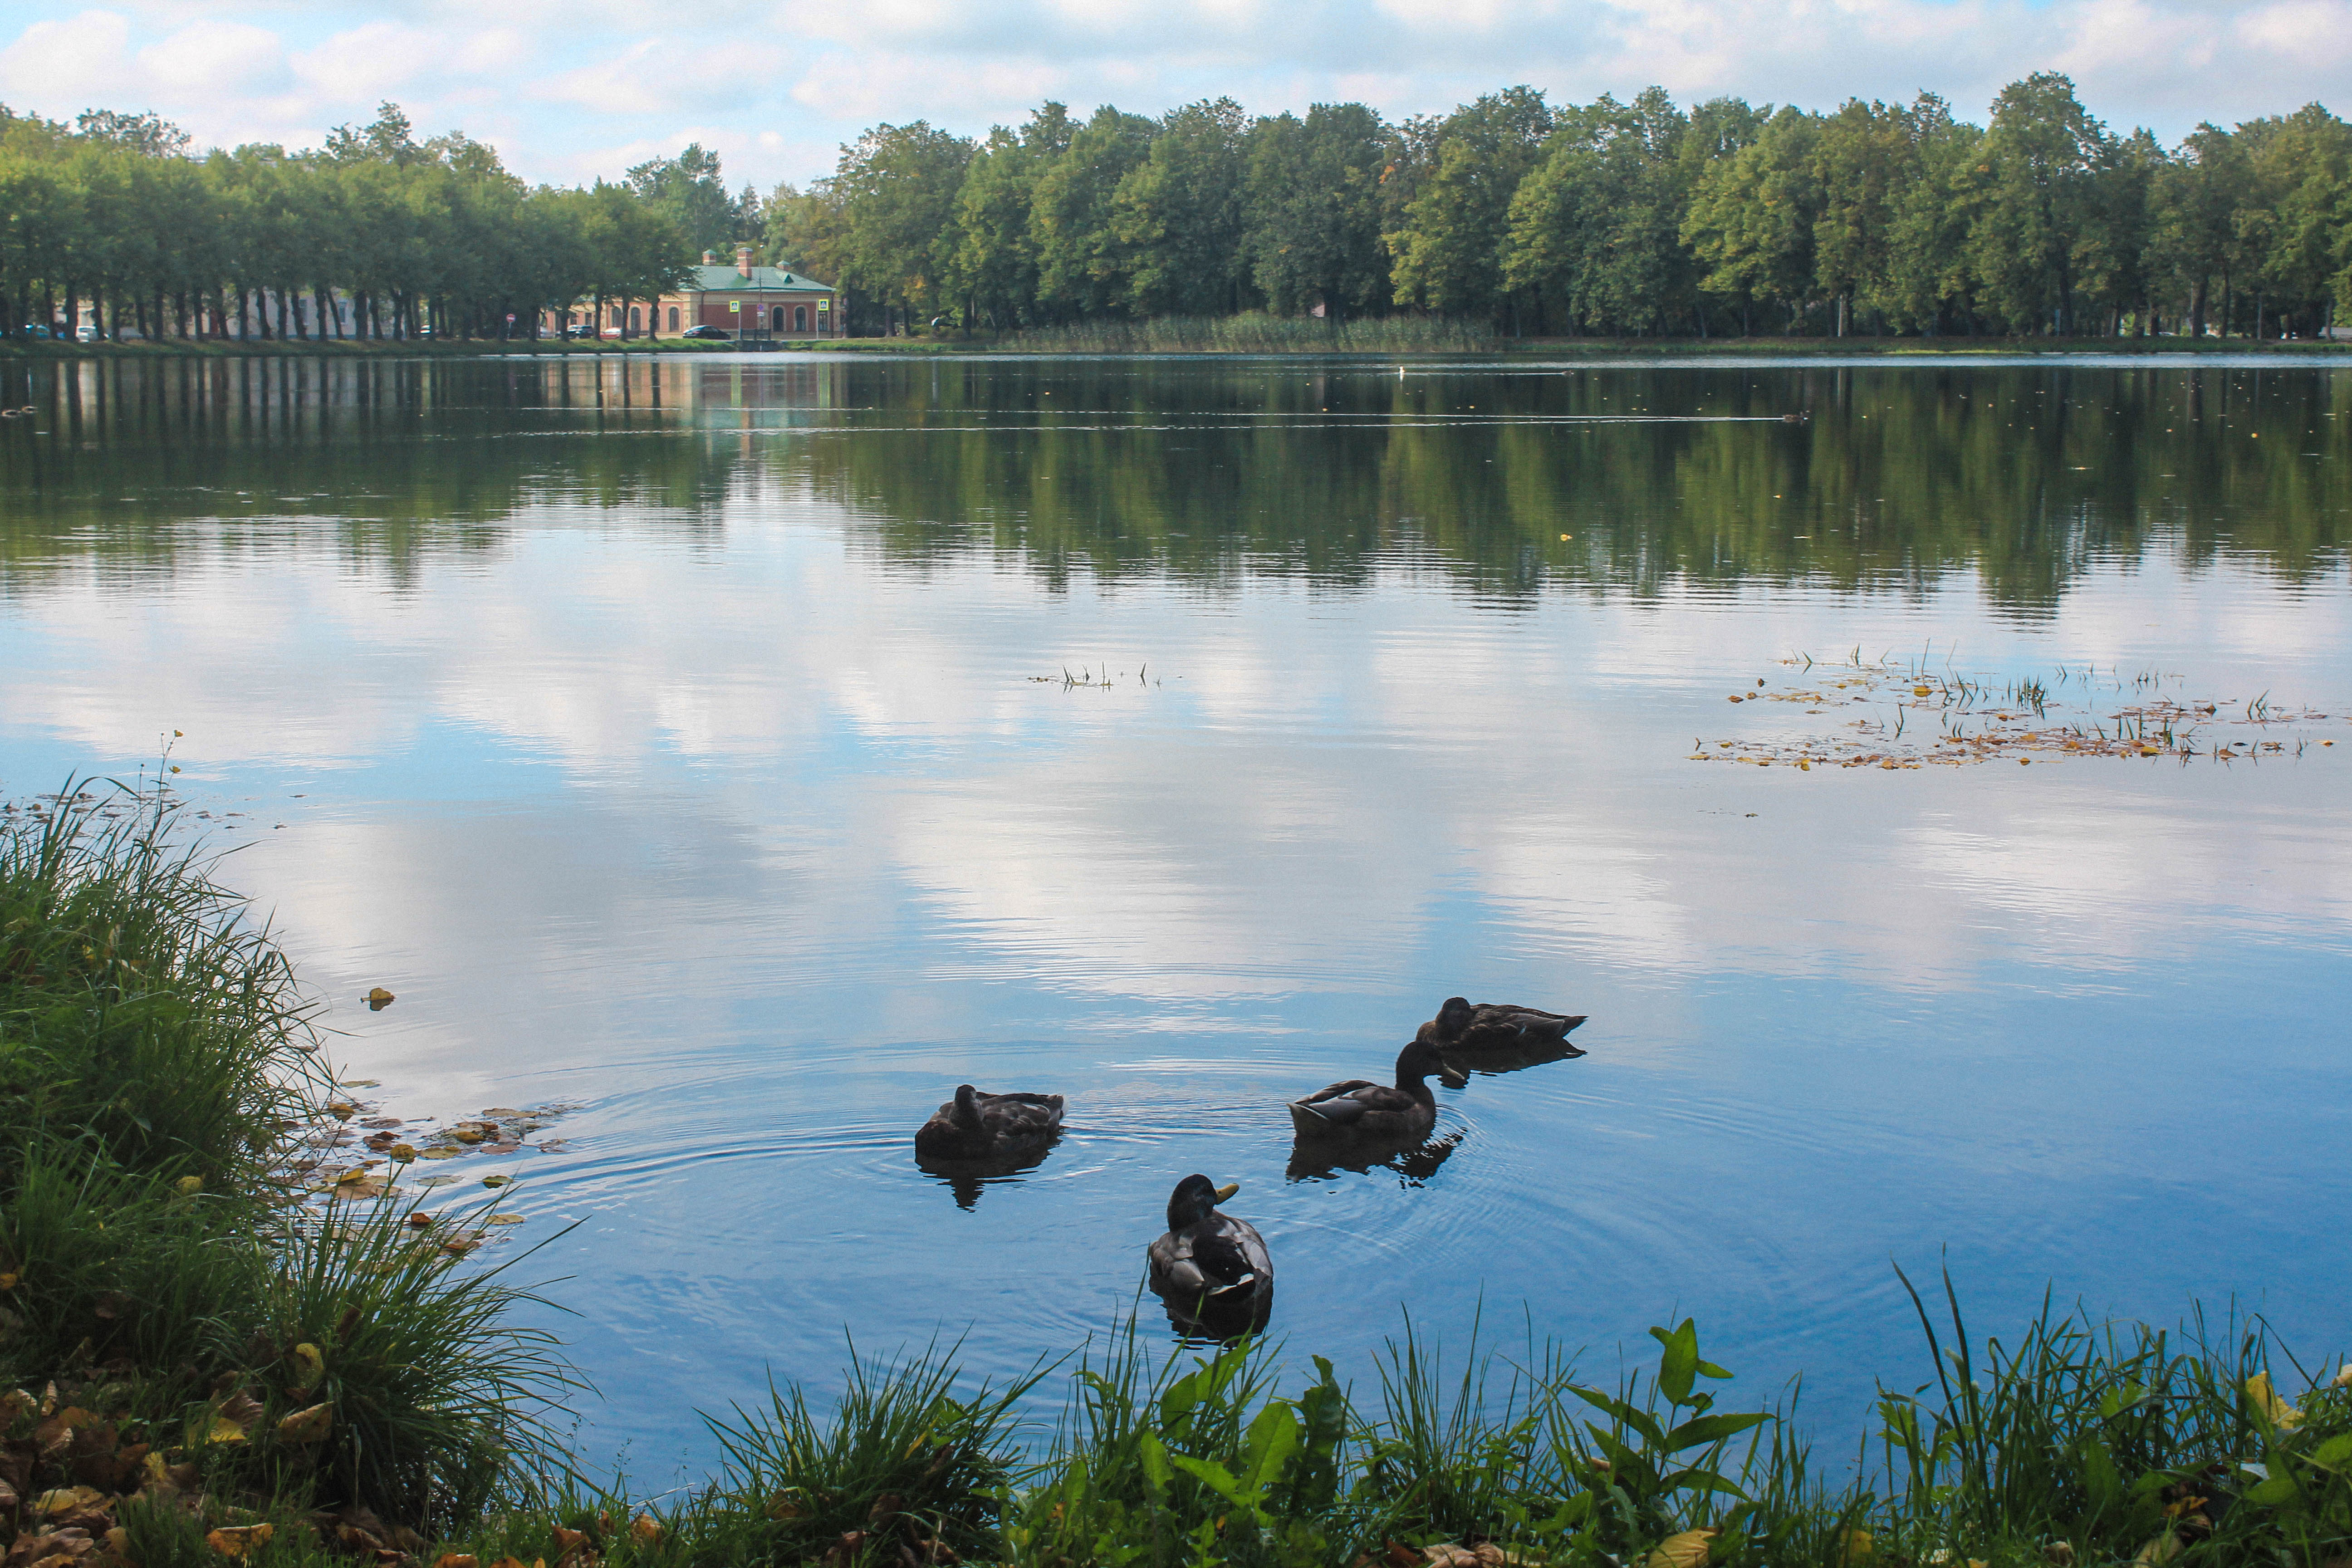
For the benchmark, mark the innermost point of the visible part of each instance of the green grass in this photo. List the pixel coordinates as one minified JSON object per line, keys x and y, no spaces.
{"x":1257,"y":332}
{"x":157,"y":1068}
{"x":204,"y":1353}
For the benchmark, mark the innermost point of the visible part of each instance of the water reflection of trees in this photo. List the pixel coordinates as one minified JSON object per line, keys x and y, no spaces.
{"x":1210,"y":471}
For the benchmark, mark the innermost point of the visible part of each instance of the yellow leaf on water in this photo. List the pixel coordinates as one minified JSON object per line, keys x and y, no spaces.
{"x":496,"y":1181}
{"x":504,"y":1219}
{"x":403,"y":1152}
{"x":467,"y":1134}
{"x":310,"y":1425}
{"x":440,"y":1153}
{"x":1687,"y":1550}
{"x":378,"y":996}
{"x":1923,"y":691}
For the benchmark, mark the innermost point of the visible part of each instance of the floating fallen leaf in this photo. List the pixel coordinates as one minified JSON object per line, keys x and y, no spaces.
{"x":496,"y":1181}
{"x":340,"y":1108}
{"x":378,"y":999}
{"x":309,"y":1366}
{"x":440,"y":1153}
{"x":239,"y":1541}
{"x":1687,"y":1550}
{"x":467,"y":1134}
{"x":504,"y":1219}
{"x":310,"y":1425}
{"x":1923,"y":691}
{"x":421,"y":1221}
{"x":403,"y":1152}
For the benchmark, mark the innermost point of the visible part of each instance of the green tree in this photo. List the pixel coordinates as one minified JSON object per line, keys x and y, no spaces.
{"x":1312,"y":200}
{"x":1176,"y":216}
{"x":2043,"y":150}
{"x":1078,"y":255}
{"x":1448,"y":251}
{"x":994,"y":265}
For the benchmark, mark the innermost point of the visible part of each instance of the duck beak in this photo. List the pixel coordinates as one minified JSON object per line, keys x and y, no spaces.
{"x":1452,"y":1077}
{"x":1225,"y":1193}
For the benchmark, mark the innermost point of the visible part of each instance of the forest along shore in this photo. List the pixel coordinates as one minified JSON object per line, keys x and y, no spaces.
{"x":1232,"y":335}
{"x":206,"y":1353}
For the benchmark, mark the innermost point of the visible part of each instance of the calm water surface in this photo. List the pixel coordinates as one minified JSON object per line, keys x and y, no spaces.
{"x":690,"y":741}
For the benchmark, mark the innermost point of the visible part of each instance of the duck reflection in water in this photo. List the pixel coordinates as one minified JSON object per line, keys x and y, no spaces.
{"x":1211,"y":1269}
{"x":978,"y":1137}
{"x":1321,"y":1160}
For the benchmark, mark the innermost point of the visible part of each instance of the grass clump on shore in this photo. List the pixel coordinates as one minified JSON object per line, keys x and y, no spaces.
{"x":197,"y":1367}
{"x":174,"y":1323}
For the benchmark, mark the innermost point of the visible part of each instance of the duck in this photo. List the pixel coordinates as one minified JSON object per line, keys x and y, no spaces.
{"x":977,"y":1126}
{"x":1210,"y":1265}
{"x":1362,"y":1109}
{"x":1464,"y":1025}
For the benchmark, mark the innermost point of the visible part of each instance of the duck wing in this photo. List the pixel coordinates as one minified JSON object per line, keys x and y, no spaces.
{"x":1021,"y":1115}
{"x":1503,"y":1024}
{"x":1339,"y":1104}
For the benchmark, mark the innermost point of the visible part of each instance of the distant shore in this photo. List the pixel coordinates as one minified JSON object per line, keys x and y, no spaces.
{"x":38,"y":350}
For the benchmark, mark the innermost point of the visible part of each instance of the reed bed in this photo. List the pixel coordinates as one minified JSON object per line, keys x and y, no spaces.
{"x":1256,"y":332}
{"x":197,"y":1367}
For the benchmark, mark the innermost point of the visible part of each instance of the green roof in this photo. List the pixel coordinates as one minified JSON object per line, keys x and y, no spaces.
{"x":768,"y":279}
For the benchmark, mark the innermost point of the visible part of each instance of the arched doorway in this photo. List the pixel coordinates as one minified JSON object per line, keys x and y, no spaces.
{"x":634,"y":328}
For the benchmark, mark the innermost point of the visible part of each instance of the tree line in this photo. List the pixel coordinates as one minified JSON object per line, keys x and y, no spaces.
{"x":374,"y":234}
{"x":1511,"y":214}
{"x":1616,"y":218}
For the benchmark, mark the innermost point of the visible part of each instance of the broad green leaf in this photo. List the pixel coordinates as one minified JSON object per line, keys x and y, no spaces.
{"x":1712,"y":1429}
{"x":1210,"y":1474}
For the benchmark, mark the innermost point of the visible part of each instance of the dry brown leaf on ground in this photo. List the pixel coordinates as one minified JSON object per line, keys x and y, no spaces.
{"x":239,"y":1541}
{"x":647,"y":1529}
{"x":310,"y":1426}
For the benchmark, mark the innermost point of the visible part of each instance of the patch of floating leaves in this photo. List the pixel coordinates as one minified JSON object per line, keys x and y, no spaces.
{"x":1916,"y":718}
{"x":316,"y":1173}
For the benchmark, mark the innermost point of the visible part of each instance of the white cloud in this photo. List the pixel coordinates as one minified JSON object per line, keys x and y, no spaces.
{"x":564,"y":83}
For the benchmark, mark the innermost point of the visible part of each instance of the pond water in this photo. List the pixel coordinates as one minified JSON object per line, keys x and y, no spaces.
{"x":746,"y":751}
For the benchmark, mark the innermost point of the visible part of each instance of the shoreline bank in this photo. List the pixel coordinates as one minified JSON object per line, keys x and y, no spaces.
{"x":43,"y":351}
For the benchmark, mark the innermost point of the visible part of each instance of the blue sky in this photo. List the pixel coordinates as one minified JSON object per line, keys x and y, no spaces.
{"x":568,"y":89}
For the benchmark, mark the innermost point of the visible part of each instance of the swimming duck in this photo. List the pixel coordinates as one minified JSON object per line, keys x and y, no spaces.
{"x":1362,"y":1109}
{"x":976,"y":1126}
{"x":1210,"y":1265}
{"x":1461,"y":1025}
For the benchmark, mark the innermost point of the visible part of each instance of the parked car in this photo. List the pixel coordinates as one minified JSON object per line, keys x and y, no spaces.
{"x":707,"y":333}
{"x":86,"y":335}
{"x":35,"y":330}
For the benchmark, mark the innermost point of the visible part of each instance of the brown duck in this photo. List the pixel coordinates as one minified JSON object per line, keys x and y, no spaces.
{"x":1463,"y":1026}
{"x":976,"y":1126}
{"x":1362,"y":1109}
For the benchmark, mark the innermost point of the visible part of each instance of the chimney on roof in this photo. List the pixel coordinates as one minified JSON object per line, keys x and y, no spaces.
{"x":711,"y":259}
{"x":744,"y":259}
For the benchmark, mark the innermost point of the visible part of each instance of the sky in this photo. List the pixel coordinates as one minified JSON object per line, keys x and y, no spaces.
{"x":571,"y":89}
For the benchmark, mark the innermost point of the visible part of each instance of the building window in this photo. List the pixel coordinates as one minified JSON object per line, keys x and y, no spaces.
{"x":776,"y":322}
{"x":633,"y":317}
{"x":673,"y":317}
{"x":800,"y":318}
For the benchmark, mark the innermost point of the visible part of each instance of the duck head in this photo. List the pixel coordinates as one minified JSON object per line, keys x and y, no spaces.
{"x":967,"y":1107}
{"x":1420,"y":1059}
{"x":1452,"y":1017}
{"x":1196,"y":1199}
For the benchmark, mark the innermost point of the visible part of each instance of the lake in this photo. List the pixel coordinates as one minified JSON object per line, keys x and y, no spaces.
{"x":746,"y":751}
